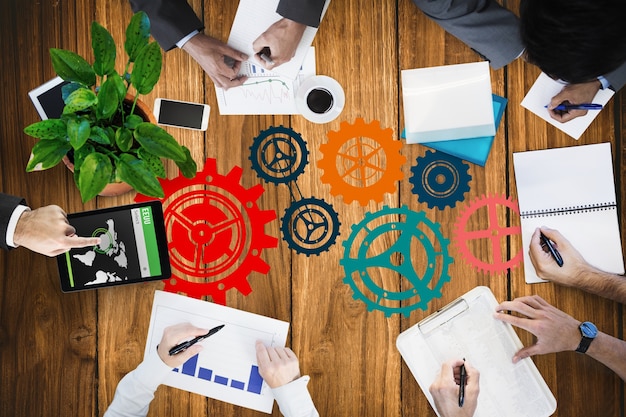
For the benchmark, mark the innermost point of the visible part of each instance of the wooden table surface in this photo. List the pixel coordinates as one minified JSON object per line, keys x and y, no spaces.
{"x":63,"y":354}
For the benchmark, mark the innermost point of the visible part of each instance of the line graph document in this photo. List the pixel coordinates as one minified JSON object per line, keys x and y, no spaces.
{"x":226,"y":369}
{"x":253,"y":17}
{"x":265,"y":92}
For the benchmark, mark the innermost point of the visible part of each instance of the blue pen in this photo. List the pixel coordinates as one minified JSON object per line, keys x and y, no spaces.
{"x":583,"y":106}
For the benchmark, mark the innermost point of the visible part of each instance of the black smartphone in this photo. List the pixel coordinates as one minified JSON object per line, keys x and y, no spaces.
{"x":181,"y":114}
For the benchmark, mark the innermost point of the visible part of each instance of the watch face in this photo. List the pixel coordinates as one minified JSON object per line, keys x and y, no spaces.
{"x":588,"y":329}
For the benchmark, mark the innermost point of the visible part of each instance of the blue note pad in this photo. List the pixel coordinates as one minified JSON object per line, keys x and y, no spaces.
{"x":474,"y":150}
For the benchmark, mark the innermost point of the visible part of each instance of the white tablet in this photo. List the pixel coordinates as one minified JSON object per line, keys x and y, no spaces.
{"x":48,"y":99}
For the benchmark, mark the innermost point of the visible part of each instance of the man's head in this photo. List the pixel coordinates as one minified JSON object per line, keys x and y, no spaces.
{"x":574,"y":40}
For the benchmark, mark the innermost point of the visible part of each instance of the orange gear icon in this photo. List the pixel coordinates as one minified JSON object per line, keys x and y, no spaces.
{"x":361,"y":161}
{"x":493,"y":233}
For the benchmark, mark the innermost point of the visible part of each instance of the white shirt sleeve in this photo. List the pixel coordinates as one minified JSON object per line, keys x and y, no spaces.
{"x":184,"y":40}
{"x":17,"y":213}
{"x":136,"y":390}
{"x":294,"y":399}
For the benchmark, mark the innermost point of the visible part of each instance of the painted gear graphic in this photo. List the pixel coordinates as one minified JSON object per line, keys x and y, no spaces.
{"x":279,"y":155}
{"x":410,"y":231}
{"x":216,"y":233}
{"x":440,"y":180}
{"x":464,"y":234}
{"x":361,"y":162}
{"x":310,"y":226}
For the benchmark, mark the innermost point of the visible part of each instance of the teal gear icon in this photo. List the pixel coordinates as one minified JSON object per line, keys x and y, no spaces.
{"x":279,"y":155}
{"x":310,"y":226}
{"x":440,"y":180}
{"x":367,"y":251}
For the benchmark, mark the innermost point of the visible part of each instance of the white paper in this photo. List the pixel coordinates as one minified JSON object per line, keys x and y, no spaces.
{"x":254,"y":17}
{"x":467,"y":329}
{"x":542,"y":92}
{"x":448,"y":102}
{"x":265,"y":92}
{"x":555,"y":180}
{"x":229,"y":354}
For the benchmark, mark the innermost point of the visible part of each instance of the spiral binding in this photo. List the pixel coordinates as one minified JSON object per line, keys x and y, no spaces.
{"x":564,"y":211}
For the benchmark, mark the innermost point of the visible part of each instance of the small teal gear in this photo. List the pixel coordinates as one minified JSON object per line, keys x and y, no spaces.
{"x":310,"y":226}
{"x":409,"y":231}
{"x":440,"y":180}
{"x":279,"y":155}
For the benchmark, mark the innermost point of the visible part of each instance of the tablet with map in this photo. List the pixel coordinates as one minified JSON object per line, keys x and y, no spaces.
{"x":133,"y":248}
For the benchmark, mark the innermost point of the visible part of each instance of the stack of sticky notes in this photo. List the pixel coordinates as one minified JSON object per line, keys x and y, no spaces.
{"x":451,"y":108}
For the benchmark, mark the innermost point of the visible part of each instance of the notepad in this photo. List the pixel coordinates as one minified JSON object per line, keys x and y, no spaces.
{"x":467,"y":329}
{"x":474,"y":150}
{"x":448,"y":102}
{"x":542,"y":92}
{"x":572,"y":190}
{"x":253,"y":17}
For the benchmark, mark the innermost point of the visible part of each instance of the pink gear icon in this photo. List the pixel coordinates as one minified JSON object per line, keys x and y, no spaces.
{"x":211,"y":249}
{"x":361,"y":161}
{"x":494,"y":233}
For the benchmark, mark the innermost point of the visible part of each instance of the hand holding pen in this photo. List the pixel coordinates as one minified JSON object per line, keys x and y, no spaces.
{"x":172,"y":337}
{"x":577,"y":100}
{"x":447,"y":391}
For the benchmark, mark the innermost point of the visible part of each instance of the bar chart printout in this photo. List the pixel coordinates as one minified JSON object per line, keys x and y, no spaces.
{"x":226,"y":369}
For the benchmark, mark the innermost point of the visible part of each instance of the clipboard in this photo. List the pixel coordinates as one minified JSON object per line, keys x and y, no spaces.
{"x":467,"y":329}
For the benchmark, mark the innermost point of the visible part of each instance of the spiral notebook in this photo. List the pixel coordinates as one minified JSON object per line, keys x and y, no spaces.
{"x":572,"y":190}
{"x":467,"y":329}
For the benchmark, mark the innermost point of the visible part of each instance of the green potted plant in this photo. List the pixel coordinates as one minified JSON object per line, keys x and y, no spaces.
{"x":100,"y":128}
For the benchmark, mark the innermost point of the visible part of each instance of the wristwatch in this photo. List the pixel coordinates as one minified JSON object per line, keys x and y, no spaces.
{"x":588,"y":332}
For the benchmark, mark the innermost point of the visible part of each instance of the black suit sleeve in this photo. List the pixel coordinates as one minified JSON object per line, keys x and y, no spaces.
{"x":308,"y":12}
{"x":8,"y":203}
{"x":170,"y":20}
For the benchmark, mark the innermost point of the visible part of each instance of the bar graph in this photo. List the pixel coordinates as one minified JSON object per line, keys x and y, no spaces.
{"x":191,"y":368}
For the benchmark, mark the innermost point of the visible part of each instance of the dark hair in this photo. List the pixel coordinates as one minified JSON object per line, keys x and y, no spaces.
{"x":574,"y":40}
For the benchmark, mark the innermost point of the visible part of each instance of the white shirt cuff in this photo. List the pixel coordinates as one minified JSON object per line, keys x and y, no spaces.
{"x":17,"y":213}
{"x":184,"y":40}
{"x":605,"y":83}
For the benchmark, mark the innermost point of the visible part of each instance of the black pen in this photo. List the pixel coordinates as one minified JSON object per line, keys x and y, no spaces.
{"x":555,"y":253}
{"x":189,"y":343}
{"x":462,"y":386}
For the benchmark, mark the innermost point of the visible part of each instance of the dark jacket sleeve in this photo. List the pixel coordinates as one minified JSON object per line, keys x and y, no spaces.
{"x":308,"y":12}
{"x":8,"y":203}
{"x":617,"y":78}
{"x":170,"y":20}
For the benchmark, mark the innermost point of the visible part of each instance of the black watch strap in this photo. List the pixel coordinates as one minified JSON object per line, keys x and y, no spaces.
{"x":588,"y":332}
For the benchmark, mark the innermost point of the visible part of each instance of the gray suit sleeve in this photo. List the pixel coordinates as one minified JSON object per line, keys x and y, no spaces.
{"x":307,"y":12}
{"x":8,"y":203}
{"x":170,"y":20}
{"x":486,"y":27}
{"x":617,"y":78}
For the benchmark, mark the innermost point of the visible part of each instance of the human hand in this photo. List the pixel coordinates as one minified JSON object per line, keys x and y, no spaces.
{"x":213,"y":55}
{"x":445,"y":390}
{"x":282,"y":38}
{"x":47,"y":231}
{"x":574,"y":267}
{"x":174,"y":335}
{"x":573,"y":94}
{"x":277,"y":365}
{"x":555,"y":330}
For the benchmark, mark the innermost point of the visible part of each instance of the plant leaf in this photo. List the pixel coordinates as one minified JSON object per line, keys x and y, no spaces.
{"x":153,"y":162}
{"x":72,"y":67}
{"x":188,"y":167}
{"x":158,"y":142}
{"x":137,"y":35}
{"x":47,"y":129}
{"x":94,"y":175}
{"x":78,"y":131}
{"x":99,"y":135}
{"x":81,"y":154}
{"x":136,"y":173}
{"x":147,"y":68}
{"x":123,"y":139}
{"x":103,"y":50}
{"x":80,"y":99}
{"x":132,"y":121}
{"x":68,"y":89}
{"x":108,"y":100}
{"x":117,"y":81}
{"x":47,"y":153}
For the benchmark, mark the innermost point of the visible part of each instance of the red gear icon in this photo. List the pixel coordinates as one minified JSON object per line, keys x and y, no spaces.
{"x":493,"y":232}
{"x":211,"y":249}
{"x":363,"y":154}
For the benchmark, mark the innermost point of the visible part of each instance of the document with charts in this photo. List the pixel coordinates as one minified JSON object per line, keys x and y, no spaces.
{"x":572,"y":190}
{"x":467,"y":329}
{"x":226,"y":369}
{"x":253,"y":17}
